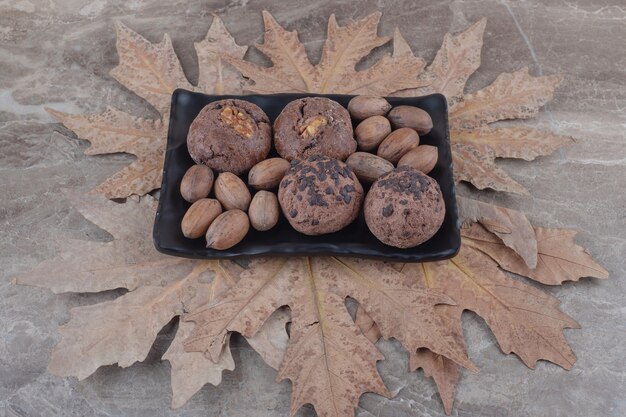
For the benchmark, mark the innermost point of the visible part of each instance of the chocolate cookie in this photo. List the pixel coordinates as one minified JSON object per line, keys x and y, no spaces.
{"x":230,"y":135}
{"x":320,"y":195}
{"x":404,"y":208}
{"x":314,"y":125}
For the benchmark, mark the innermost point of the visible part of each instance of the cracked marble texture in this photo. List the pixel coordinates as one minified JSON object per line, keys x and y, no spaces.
{"x":58,"y":53}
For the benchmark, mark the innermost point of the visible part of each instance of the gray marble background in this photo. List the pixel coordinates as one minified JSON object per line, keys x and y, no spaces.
{"x":58,"y":53}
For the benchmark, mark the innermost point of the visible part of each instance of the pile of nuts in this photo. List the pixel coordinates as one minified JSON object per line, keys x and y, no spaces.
{"x":387,"y":137}
{"x":224,"y":229}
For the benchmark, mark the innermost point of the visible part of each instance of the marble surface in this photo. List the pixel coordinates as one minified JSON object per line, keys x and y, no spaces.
{"x":58,"y":53}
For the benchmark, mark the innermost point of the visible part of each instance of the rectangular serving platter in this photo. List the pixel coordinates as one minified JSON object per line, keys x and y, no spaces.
{"x":283,"y":240}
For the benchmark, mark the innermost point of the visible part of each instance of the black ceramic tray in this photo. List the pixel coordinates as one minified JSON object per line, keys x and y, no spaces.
{"x":354,"y":240}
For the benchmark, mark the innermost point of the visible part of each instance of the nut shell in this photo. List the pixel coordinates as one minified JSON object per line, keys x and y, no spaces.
{"x":196,"y":183}
{"x":199,"y":217}
{"x":267,"y":174}
{"x":423,"y":158}
{"x":232,"y":192}
{"x":362,"y":107}
{"x":264,"y":211}
{"x":368,"y":167}
{"x":228,"y":229}
{"x":398,"y":143}
{"x":413,"y":117}
{"x":371,"y":131}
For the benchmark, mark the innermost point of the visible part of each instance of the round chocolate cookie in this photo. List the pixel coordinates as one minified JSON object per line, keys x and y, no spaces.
{"x":404,"y":208}
{"x":230,"y":135}
{"x":320,"y":195}
{"x":314,"y":125}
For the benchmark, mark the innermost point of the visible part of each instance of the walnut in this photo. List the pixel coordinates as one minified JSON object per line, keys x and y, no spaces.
{"x":311,"y":125}
{"x":238,"y":120}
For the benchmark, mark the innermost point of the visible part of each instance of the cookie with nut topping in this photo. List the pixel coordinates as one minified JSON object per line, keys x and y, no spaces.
{"x":320,"y":195}
{"x":404,"y":208}
{"x":314,"y":125}
{"x":230,"y":135}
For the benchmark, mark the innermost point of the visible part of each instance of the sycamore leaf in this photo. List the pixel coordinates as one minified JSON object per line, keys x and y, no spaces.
{"x":442,"y":370}
{"x":456,"y":60}
{"x":516,"y":95}
{"x":559,"y":258}
{"x":445,"y":372}
{"x":216,"y":76}
{"x":367,"y":325}
{"x":478,"y":167}
{"x":524,"y":320}
{"x":329,"y":362}
{"x":314,"y":289}
{"x":121,"y":331}
{"x":511,"y":226}
{"x":152,"y":71}
{"x":272,"y":340}
{"x":160,"y":288}
{"x":191,"y":370}
{"x":115,"y":131}
{"x":344,"y":48}
{"x":511,"y":142}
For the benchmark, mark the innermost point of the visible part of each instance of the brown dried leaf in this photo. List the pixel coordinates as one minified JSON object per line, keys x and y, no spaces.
{"x":478,"y":167}
{"x":344,"y":48}
{"x":216,"y":76}
{"x":314,"y":289}
{"x":272,"y":340}
{"x":191,"y":370}
{"x":456,"y":60}
{"x":115,"y":131}
{"x":160,"y":287}
{"x":444,"y":371}
{"x":516,"y":95}
{"x":366,"y":324}
{"x":524,"y":320}
{"x":152,"y":71}
{"x":511,"y":142}
{"x":559,"y":259}
{"x":511,"y":226}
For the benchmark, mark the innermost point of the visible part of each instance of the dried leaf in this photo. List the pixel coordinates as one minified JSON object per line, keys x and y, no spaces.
{"x":314,"y":289}
{"x":366,"y":324}
{"x":272,"y":340}
{"x":559,"y":259}
{"x":160,"y":287}
{"x":216,"y":76}
{"x":511,"y":142}
{"x":456,"y":60}
{"x":478,"y":167}
{"x":516,"y":95}
{"x":511,"y":226}
{"x":115,"y":131}
{"x":344,"y":48}
{"x":191,"y":370}
{"x":329,"y":362}
{"x":152,"y":71}
{"x":444,"y":371}
{"x":524,"y":320}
